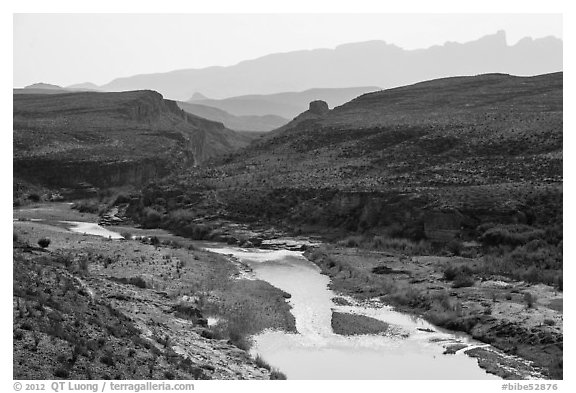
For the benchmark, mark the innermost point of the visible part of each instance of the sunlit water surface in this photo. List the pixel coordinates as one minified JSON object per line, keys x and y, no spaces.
{"x":315,"y":352}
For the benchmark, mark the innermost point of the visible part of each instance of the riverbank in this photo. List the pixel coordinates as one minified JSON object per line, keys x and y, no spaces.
{"x":131,"y":304}
{"x":520,"y":319}
{"x":493,"y":309}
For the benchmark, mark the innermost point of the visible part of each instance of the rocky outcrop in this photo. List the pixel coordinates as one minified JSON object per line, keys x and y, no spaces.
{"x":72,"y":174}
{"x":319,"y":108}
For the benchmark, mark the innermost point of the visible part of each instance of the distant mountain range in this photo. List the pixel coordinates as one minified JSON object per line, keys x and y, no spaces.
{"x":287,"y":105}
{"x":253,"y":113}
{"x":373,"y":63}
{"x":237,"y":123}
{"x":47,"y":88}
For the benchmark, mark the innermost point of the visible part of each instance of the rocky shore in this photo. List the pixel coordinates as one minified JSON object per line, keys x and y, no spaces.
{"x":521,"y":320}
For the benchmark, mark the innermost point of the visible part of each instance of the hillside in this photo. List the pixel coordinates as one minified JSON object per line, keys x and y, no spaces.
{"x":373,"y":63}
{"x":86,"y":307}
{"x":435,"y":159}
{"x":466,"y":131}
{"x":237,"y":123}
{"x":109,"y":139}
{"x":286,"y":105}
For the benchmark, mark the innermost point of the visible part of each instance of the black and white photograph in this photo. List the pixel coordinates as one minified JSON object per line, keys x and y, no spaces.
{"x":306,"y":196}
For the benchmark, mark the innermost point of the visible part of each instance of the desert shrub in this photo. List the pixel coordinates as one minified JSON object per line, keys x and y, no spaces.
{"x":83,"y":265}
{"x":441,"y":317}
{"x":535,"y":262}
{"x":126,"y":235}
{"x":87,"y":206}
{"x":187,"y":311}
{"x":44,"y":242}
{"x":180,"y":217}
{"x":194,"y":231}
{"x":450,"y":273}
{"x":276,"y":374}
{"x":462,"y":281}
{"x":26,"y":326}
{"x":175,"y":244}
{"x":529,"y":299}
{"x":209,"y":334}
{"x":408,"y":296}
{"x":238,"y":338}
{"x":549,"y":322}
{"x":154,"y":241}
{"x":150,"y":218}
{"x":61,"y":373}
{"x":442,"y":309}
{"x":107,"y":359}
{"x":137,"y":281}
{"x":66,"y":259}
{"x":241,"y":322}
{"x":454,"y":246}
{"x":537,"y":253}
{"x":454,"y":272}
{"x":513,"y":235}
{"x":352,"y":241}
{"x":385,"y":242}
{"x":404,"y":245}
{"x":261,"y":363}
{"x":34,"y":197}
{"x":122,"y":198}
{"x":441,"y":301}
{"x":559,"y":282}
{"x":554,"y":234}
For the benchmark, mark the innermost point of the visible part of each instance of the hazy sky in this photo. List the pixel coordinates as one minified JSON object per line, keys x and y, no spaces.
{"x":65,"y":49}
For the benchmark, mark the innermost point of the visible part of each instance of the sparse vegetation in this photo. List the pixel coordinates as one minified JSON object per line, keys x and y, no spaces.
{"x":463,"y":281}
{"x":353,"y":324}
{"x":276,"y":374}
{"x":530,"y":300}
{"x":260,"y":362}
{"x":44,"y":242}
{"x":88,"y":206}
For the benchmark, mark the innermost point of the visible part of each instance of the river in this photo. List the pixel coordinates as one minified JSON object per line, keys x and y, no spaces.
{"x":316,"y":352}
{"x":411,"y":349}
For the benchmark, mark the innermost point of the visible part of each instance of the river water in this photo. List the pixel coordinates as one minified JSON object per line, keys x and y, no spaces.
{"x":90,"y":228}
{"x":316,"y":352}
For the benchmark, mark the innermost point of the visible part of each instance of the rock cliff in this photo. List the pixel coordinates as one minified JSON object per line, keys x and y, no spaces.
{"x":110,"y":139}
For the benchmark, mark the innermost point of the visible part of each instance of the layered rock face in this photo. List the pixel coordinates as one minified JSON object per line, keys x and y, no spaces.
{"x":110,"y":139}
